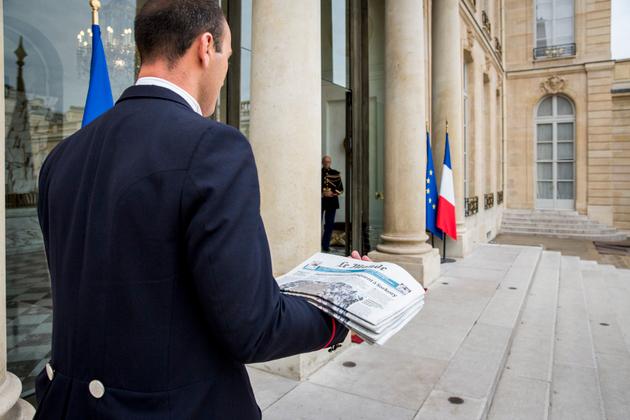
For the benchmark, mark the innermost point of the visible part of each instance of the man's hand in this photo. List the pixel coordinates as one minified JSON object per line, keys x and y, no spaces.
{"x":328,"y":194}
{"x":357,"y":256}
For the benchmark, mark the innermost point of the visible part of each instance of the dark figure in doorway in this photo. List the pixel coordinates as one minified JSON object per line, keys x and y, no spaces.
{"x":332,"y":188}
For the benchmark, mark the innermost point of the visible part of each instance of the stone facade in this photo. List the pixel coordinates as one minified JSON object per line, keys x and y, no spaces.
{"x":596,"y":85}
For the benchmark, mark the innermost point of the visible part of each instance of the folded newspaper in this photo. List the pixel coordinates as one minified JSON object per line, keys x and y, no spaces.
{"x":375,"y":300}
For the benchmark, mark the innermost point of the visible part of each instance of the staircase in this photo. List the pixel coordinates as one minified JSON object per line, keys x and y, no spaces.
{"x":557,"y":223}
{"x":570,"y":356}
{"x":507,"y":333}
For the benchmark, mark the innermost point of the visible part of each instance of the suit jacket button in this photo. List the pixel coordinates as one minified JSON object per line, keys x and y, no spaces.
{"x":50,"y":372}
{"x":97,"y":389}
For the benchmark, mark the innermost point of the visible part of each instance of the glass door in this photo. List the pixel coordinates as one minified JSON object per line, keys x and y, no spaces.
{"x":555,"y":154}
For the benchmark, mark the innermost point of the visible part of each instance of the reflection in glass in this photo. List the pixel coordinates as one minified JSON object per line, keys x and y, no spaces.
{"x":335,"y":50}
{"x":45,"y":87}
{"x":246,"y":64}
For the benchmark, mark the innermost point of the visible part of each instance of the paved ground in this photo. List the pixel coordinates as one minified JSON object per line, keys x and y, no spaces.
{"x":453,"y":348}
{"x":586,"y":250}
{"x":507,"y":333}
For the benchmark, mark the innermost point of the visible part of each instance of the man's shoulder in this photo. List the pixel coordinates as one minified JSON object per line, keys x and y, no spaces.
{"x":333,"y":172}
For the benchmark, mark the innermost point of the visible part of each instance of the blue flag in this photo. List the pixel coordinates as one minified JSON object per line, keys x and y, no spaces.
{"x":99,"y":98}
{"x":431,"y":193}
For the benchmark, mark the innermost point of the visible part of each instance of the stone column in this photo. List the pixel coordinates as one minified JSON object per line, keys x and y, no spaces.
{"x":285,"y":131}
{"x":447,"y":102}
{"x":11,"y":406}
{"x":404,"y":238}
{"x":285,"y":125}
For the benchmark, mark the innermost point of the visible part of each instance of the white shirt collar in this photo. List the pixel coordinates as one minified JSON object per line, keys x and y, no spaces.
{"x":156,"y":81}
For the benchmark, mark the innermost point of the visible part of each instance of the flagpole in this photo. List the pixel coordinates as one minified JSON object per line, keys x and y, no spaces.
{"x":96,"y":5}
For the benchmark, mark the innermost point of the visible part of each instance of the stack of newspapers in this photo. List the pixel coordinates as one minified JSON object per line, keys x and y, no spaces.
{"x":375,"y":300}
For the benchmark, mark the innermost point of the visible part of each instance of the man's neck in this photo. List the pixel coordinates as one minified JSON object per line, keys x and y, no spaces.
{"x":174,"y":76}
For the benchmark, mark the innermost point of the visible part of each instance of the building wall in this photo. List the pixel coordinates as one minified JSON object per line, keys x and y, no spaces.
{"x":621,"y":144}
{"x":482,"y":53}
{"x":587,"y":78}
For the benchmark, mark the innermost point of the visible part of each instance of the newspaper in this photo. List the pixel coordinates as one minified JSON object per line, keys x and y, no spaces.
{"x":375,"y":300}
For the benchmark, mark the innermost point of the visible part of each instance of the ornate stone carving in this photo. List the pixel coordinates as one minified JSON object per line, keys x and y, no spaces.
{"x":470,"y":39}
{"x":554,"y":84}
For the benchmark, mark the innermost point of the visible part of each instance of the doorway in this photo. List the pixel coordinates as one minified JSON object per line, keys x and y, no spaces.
{"x":555,"y":153}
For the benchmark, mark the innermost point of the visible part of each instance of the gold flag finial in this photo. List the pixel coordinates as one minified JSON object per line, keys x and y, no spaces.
{"x":96,"y":5}
{"x":447,"y":126}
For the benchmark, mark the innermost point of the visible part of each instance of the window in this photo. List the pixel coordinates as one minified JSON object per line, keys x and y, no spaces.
{"x":555,"y":153}
{"x":554,"y":28}
{"x":47,"y":54}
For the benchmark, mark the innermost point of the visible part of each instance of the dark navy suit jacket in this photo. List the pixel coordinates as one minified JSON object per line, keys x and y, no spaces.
{"x":160,"y":267}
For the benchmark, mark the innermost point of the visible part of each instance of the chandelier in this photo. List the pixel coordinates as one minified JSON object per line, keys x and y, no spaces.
{"x":118,"y":42}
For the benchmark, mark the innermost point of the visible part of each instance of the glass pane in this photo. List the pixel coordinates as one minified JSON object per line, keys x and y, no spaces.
{"x":545,"y":151}
{"x":565,"y":190}
{"x":545,"y":171}
{"x":543,"y":32}
{"x":564,"y":9}
{"x":545,"y":132}
{"x":563,"y":29}
{"x":246,"y":65}
{"x":565,"y":151}
{"x":544,"y":10}
{"x":565,"y":170}
{"x":565,"y":131}
{"x":335,"y":51}
{"x":564,"y":106}
{"x":47,"y":56}
{"x":545,"y":108}
{"x":545,"y":190}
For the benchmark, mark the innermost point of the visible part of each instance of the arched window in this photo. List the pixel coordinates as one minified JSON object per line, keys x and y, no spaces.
{"x":555,"y":153}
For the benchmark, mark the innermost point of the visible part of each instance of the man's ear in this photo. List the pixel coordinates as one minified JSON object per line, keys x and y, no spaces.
{"x":205,"y":48}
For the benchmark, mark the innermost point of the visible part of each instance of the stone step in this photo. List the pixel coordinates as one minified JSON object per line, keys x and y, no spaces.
{"x":551,"y":221}
{"x":523,"y":391}
{"x":575,"y":390}
{"x":609,"y":238}
{"x":560,"y":228}
{"x":545,"y":218}
{"x":608,"y":308}
{"x":473,"y":371}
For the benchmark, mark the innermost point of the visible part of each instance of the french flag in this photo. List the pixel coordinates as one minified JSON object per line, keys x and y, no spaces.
{"x":446,"y":201}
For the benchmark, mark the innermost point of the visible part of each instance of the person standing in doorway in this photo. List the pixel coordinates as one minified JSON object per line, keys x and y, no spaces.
{"x":332,"y":188}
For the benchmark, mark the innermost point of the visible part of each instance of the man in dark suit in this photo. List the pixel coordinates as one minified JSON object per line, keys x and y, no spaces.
{"x":160,"y":267}
{"x":332,"y":188}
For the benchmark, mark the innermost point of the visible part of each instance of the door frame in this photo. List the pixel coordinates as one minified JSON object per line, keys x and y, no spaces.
{"x":360,"y":141}
{"x":554,"y":203}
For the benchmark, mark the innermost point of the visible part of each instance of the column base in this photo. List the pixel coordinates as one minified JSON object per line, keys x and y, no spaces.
{"x":425,"y":268}
{"x":11,"y":406}
{"x":459,"y":248}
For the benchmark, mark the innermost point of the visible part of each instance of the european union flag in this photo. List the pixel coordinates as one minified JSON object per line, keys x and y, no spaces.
{"x":431,"y":193}
{"x":99,"y":98}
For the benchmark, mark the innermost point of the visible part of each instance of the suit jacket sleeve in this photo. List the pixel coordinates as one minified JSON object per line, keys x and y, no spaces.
{"x":230,"y":263}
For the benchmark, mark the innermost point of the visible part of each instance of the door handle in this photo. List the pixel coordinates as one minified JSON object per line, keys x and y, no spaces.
{"x":379,"y":195}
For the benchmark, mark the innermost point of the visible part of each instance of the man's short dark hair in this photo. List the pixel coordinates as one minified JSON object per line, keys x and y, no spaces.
{"x":167,"y":28}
